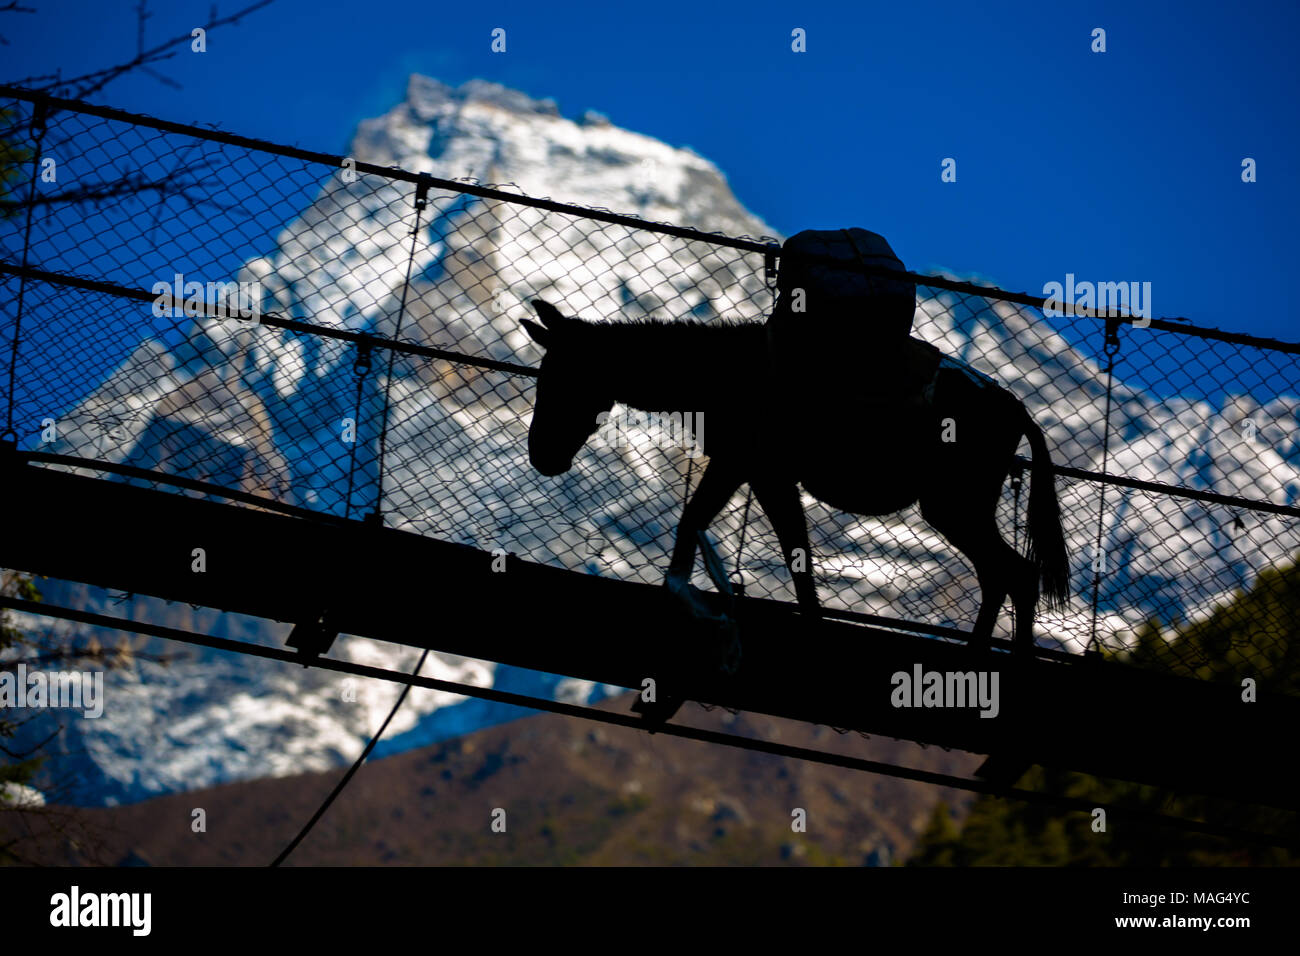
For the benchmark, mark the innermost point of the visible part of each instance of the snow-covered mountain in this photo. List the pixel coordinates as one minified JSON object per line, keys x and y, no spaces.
{"x":260,"y":409}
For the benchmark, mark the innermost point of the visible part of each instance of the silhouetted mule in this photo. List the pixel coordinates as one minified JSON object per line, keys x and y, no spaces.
{"x":945,"y":437}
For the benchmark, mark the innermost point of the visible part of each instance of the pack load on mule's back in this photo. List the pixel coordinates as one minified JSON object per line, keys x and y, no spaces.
{"x":833,"y":315}
{"x":837,"y":295}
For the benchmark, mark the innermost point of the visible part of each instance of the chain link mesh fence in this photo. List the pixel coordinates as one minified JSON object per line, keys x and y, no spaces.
{"x":1178,"y":489}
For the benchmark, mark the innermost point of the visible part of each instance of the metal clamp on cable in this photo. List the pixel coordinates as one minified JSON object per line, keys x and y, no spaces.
{"x":1112,"y":336}
{"x":313,"y":637}
{"x":737,"y":581}
{"x":361,"y":367}
{"x":770,"y":267}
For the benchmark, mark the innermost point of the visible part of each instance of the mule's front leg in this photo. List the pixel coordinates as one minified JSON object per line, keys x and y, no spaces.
{"x":716,"y":487}
{"x":780,"y":501}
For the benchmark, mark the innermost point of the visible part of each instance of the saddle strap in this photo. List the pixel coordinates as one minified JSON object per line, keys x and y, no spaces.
{"x":947,"y":362}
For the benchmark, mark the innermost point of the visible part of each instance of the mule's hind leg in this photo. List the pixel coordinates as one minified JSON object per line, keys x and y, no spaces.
{"x":1016,"y":574}
{"x":977,"y":538}
{"x":998,"y":566}
{"x":1023,"y":582}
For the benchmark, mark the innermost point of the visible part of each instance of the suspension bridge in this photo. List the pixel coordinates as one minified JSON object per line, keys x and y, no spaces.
{"x":473,"y":555}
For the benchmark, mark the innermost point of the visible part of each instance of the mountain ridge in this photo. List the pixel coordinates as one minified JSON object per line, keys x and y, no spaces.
{"x":567,"y":791}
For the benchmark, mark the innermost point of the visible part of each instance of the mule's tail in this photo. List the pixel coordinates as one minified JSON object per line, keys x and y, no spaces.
{"x":1046,"y":540}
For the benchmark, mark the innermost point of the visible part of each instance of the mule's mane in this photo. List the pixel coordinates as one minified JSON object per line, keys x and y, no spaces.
{"x":642,"y":356}
{"x":675,"y":326}
{"x":692,"y":334}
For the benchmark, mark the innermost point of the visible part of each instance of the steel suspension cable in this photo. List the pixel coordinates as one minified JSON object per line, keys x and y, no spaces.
{"x":356,"y":765}
{"x":38,"y":130}
{"x":1098,"y":560}
{"x":421,"y":199}
{"x":361,"y":368}
{"x":759,"y":745}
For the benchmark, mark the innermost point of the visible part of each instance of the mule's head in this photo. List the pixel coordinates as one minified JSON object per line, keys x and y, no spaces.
{"x":569,"y":395}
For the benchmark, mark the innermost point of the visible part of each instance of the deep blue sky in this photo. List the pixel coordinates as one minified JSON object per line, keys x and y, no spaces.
{"x":1117,"y":166}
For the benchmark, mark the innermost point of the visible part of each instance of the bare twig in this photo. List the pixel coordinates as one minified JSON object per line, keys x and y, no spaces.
{"x":177,"y":184}
{"x":13,"y":7}
{"x":94,"y":82}
{"x":24,"y":754}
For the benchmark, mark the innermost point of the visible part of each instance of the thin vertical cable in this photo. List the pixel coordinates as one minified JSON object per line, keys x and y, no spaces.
{"x":1111,"y":349}
{"x":421,"y":194}
{"x":38,"y":130}
{"x":361,"y":368}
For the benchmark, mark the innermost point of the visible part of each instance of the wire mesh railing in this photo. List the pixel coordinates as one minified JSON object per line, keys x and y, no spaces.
{"x":389,"y":376}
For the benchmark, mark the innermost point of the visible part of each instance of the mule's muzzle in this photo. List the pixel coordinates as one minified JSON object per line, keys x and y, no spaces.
{"x":550,"y":465}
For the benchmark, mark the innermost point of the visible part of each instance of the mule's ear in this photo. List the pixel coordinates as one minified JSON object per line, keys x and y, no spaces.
{"x":538,"y":334}
{"x":548,"y":313}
